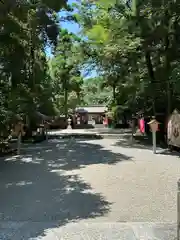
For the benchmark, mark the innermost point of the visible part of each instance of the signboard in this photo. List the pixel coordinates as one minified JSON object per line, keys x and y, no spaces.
{"x":173,"y":130}
{"x":154,"y":125}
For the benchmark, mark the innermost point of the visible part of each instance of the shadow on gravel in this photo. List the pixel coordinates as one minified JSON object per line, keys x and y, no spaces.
{"x":111,"y":131}
{"x":139,"y":142}
{"x":35,"y":191}
{"x":170,"y":153}
{"x":126,"y":142}
{"x":90,"y":136}
{"x":83,"y":152}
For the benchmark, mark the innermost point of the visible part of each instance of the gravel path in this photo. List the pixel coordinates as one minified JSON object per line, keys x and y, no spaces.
{"x":86,"y":181}
{"x":140,"y":186}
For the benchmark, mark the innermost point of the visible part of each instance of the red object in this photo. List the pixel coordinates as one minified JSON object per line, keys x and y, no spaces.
{"x":105,"y":122}
{"x":142,"y":125}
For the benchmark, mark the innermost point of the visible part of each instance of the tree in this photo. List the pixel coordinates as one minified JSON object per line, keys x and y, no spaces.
{"x":94,"y":93}
{"x":135,"y":48}
{"x":65,"y":68}
{"x":27,"y":27}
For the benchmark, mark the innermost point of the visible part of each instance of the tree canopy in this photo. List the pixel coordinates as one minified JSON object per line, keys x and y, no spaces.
{"x":133,"y":45}
{"x":27,"y":28}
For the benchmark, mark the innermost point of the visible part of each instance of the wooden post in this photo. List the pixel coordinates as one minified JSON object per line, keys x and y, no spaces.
{"x":132,"y":129}
{"x":19,"y":132}
{"x":46,"y":134}
{"x":154,"y":142}
{"x":46,"y":130}
{"x":19,"y":143}
{"x":154,"y":127}
{"x":132,"y":132}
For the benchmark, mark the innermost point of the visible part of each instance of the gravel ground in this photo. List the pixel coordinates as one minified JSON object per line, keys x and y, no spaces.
{"x":138,"y":185}
{"x":85,"y":181}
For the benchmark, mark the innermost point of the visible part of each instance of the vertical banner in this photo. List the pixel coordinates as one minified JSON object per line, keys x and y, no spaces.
{"x":173,"y":131}
{"x":142,"y":125}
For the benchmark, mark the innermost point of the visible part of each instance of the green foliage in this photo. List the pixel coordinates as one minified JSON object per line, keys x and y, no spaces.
{"x":94,"y":94}
{"x":135,"y":47}
{"x":65,"y":71}
{"x":27,"y":27}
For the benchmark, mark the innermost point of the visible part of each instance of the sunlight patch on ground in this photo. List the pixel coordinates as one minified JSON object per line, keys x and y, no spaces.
{"x":21,"y":183}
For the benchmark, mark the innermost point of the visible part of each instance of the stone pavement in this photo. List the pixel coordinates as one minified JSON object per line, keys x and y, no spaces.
{"x":82,"y":231}
{"x":72,"y":132}
{"x":88,"y":189}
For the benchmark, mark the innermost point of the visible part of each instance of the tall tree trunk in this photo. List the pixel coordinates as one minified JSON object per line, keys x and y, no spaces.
{"x":167,"y":66}
{"x":136,"y":4}
{"x":65,"y":99}
{"x":152,"y":79}
{"x":32,"y":52}
{"x":168,"y":84}
{"x":114,"y":92}
{"x":66,"y":103}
